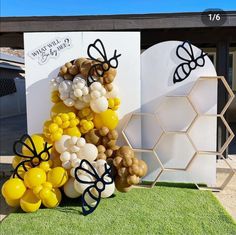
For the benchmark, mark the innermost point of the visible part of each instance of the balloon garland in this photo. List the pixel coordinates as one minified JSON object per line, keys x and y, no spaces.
{"x":77,"y":151}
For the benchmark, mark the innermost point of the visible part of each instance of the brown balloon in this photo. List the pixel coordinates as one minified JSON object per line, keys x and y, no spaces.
{"x":122,"y":185}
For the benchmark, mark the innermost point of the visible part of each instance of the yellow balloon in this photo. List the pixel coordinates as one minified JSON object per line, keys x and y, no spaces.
{"x":21,"y":171}
{"x":60,"y":107}
{"x":13,"y":189}
{"x":109,"y":118}
{"x":38,"y":143}
{"x":57,"y":177}
{"x":34,"y":177}
{"x":72,"y":131}
{"x":12,"y":203}
{"x":53,"y":200}
{"x":30,"y":202}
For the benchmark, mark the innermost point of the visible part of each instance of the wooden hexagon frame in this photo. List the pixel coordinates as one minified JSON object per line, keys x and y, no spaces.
{"x":227,"y":87}
{"x":193,"y":108}
{"x":127,"y":139}
{"x":213,"y":153}
{"x":151,"y":184}
{"x":225,"y":182}
{"x":190,"y":160}
{"x":227,"y":142}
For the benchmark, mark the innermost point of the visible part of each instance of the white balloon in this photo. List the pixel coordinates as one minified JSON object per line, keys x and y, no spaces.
{"x":96,"y":86}
{"x":74,"y":139}
{"x":69,"y":189}
{"x":108,"y":191}
{"x":59,"y":79}
{"x":78,"y":92}
{"x":95,"y":94}
{"x":72,"y":172}
{"x":64,"y":95}
{"x":69,"y":102}
{"x":81,"y":142}
{"x":85,"y":90}
{"x":74,"y":149}
{"x":88,"y":152}
{"x":75,"y":162}
{"x":65,"y":156}
{"x":103,"y":91}
{"x":99,"y":105}
{"x":79,"y":187}
{"x":66,"y":165}
{"x":86,"y":98}
{"x":60,"y":144}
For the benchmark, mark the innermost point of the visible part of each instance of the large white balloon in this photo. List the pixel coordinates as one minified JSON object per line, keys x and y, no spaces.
{"x":69,"y":189}
{"x":88,"y":152}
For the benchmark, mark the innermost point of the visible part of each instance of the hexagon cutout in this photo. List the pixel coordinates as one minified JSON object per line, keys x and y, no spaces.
{"x":224,"y":174}
{"x":176,"y":113}
{"x":142,"y":131}
{"x":201,"y":140}
{"x":175,"y":150}
{"x":203,"y":95}
{"x":155,"y":168}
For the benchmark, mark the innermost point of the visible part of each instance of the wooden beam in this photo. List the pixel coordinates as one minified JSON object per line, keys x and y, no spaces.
{"x":149,"y":37}
{"x":109,"y":22}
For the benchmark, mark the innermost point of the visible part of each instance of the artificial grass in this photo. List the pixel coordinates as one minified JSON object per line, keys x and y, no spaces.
{"x":161,"y":210}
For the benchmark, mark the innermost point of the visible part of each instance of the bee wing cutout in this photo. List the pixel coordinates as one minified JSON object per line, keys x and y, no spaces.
{"x":86,"y":168}
{"x":185,"y":51}
{"x":44,"y":155}
{"x":17,"y":169}
{"x":97,"y":50}
{"x":107,"y":175}
{"x":18,"y":144}
{"x":94,"y":72}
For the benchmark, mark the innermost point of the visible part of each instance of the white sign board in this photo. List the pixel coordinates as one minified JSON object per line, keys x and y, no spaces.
{"x":45,"y":53}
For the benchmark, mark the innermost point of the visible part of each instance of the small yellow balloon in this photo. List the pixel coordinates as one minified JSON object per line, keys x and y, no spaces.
{"x":57,"y":177}
{"x":34,"y":177}
{"x":12,"y":203}
{"x":109,"y":118}
{"x":30,"y":202}
{"x":53,"y":200}
{"x":60,"y":107}
{"x":13,"y":189}
{"x":72,"y":131}
{"x":45,"y":166}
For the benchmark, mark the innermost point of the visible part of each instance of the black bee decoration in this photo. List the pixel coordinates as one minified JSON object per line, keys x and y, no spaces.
{"x":97,"y":185}
{"x":185,"y":53}
{"x":97,"y":53}
{"x":33,"y":159}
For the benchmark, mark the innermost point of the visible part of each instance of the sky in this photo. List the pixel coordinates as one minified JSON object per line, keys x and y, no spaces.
{"x":108,"y":7}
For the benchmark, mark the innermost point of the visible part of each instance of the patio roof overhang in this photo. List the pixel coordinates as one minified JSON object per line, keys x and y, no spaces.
{"x":154,"y":27}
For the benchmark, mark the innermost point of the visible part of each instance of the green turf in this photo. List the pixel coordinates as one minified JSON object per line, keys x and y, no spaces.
{"x":161,"y":210}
